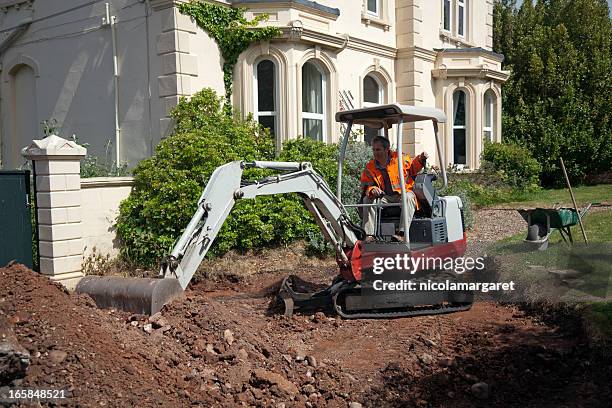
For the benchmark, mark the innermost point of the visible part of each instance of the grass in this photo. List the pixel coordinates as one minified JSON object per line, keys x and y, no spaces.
{"x":580,"y":275}
{"x":548,"y":197}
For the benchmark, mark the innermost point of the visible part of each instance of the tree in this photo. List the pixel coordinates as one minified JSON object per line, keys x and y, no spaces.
{"x":557,"y":101}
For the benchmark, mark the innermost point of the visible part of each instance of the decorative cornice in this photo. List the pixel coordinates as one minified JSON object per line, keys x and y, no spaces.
{"x":304,"y":5}
{"x":482,"y":71}
{"x":370,"y":47}
{"x":336,"y":42}
{"x":417,"y":52}
{"x":296,"y":32}
{"x":477,"y":51}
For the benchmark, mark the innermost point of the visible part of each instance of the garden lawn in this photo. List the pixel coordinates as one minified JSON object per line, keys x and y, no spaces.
{"x":548,"y":197}
{"x":579,"y":276}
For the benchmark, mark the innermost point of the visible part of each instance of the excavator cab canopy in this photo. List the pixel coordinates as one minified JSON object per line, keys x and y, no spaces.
{"x":384,"y":116}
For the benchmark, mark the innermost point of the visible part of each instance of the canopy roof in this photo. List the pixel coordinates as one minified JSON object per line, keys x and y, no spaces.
{"x":380,"y":116}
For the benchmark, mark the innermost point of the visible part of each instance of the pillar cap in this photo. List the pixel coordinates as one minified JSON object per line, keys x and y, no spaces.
{"x":53,"y":147}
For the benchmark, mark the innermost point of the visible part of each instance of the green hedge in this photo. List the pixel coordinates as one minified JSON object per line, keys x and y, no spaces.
{"x":168,"y":185}
{"x":514,"y":164}
{"x":508,"y":172}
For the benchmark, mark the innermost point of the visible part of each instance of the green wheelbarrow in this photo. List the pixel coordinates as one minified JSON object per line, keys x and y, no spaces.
{"x":542,"y":222}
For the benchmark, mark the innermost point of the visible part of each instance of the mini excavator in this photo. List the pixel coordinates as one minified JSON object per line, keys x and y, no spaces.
{"x":437,"y":230}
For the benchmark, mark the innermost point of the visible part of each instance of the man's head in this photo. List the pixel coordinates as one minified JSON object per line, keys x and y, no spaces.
{"x":381,"y":149}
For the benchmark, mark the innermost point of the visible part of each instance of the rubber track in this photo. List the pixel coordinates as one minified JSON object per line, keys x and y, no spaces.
{"x":415,"y":311}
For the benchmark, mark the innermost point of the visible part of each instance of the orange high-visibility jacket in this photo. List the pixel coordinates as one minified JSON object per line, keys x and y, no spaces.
{"x":372,"y":177}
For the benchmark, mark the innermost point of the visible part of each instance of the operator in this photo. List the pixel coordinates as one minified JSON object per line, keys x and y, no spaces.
{"x":380,"y":180}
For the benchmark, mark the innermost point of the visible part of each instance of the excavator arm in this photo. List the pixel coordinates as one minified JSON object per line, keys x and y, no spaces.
{"x":226,"y":186}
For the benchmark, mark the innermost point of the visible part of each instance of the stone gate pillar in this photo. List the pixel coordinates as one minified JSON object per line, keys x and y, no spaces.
{"x":56,"y":163}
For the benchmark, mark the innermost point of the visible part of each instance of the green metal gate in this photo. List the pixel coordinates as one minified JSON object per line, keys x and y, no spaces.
{"x":15,"y":217}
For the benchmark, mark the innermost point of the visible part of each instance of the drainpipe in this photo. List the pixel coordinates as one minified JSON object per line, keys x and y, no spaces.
{"x":111,"y":21}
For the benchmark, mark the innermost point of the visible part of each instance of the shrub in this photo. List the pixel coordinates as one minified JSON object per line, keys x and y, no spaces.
{"x":324,"y":157}
{"x":92,"y":166}
{"x":514,"y":164}
{"x":461,"y":189}
{"x":168,"y":185}
{"x":484,"y":187}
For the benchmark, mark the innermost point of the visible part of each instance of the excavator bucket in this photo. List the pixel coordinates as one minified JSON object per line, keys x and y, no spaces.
{"x":135,"y":295}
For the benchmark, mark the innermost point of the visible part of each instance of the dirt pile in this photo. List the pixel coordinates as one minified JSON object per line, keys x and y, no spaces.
{"x":230,"y":346}
{"x":87,"y":351}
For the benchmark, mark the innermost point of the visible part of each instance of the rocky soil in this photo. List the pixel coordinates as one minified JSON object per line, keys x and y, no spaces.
{"x":226,"y":343}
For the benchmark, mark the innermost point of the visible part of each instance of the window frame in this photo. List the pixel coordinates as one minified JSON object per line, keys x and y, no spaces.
{"x":256,"y":112}
{"x":311,"y":115}
{"x":381,"y":98}
{"x":450,"y":16}
{"x":488,"y":106}
{"x":463,"y":127}
{"x":461,"y":17}
{"x":375,"y":13}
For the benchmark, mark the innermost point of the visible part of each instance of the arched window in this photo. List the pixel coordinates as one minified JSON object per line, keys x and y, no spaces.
{"x":313,"y":102}
{"x":488,"y":116}
{"x":459,"y":128}
{"x":372,"y":95}
{"x":265,"y":104}
{"x":23,"y":115}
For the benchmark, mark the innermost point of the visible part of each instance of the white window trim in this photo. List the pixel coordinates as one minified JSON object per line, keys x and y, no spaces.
{"x":452,"y":34}
{"x":381,"y":98}
{"x":381,"y":92}
{"x":461,"y":4}
{"x":460,"y":166}
{"x":257,"y":113}
{"x":491,"y":108}
{"x":318,"y":116}
{"x":450,"y":17}
{"x":459,"y":127}
{"x":376,"y":13}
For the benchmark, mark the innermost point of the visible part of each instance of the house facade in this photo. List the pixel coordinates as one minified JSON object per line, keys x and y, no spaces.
{"x":109,"y":72}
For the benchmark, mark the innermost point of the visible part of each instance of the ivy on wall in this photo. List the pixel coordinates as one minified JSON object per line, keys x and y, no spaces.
{"x":231,"y":31}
